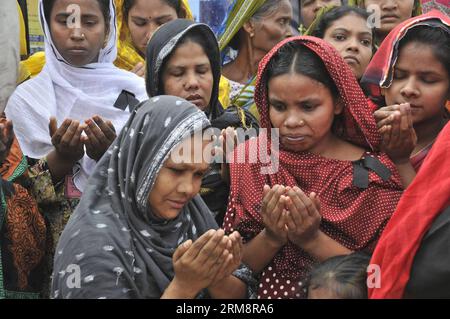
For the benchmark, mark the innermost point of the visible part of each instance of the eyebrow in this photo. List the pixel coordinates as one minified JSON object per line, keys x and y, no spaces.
{"x":347,"y":30}
{"x":313,"y":100}
{"x":156,"y":18}
{"x":85,"y":15}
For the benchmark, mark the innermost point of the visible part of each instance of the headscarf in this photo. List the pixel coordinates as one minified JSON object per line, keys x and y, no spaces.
{"x":62,"y":90}
{"x":441,"y":5}
{"x":423,"y":201}
{"x":380,"y":71}
{"x":121,"y":248}
{"x":9,"y":58}
{"x":352,"y":214}
{"x":128,"y":56}
{"x":417,"y":8}
{"x":164,"y":41}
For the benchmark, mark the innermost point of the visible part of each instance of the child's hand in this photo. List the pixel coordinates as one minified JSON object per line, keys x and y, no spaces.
{"x":139,"y":69}
{"x":6,"y":140}
{"x":99,"y":136}
{"x":304,"y":217}
{"x":274,"y":214}
{"x":67,"y":139}
{"x":197,"y":264}
{"x":399,"y":136}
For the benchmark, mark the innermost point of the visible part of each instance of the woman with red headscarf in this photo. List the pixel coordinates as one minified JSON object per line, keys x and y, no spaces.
{"x":332,"y":192}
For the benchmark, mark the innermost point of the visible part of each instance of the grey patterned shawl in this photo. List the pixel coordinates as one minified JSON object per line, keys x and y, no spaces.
{"x":119,"y":248}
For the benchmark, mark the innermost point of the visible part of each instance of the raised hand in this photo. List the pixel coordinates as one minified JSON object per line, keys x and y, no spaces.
{"x":67,"y":139}
{"x":398,"y":134}
{"x":6,"y":140}
{"x":99,"y":136}
{"x":233,"y":260}
{"x":197,"y":264}
{"x":274,"y":214}
{"x":303,"y":220}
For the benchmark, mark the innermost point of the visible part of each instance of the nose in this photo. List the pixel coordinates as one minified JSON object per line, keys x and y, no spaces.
{"x":293,"y":120}
{"x":150,"y":30}
{"x":353,"y":45}
{"x":192,"y":82}
{"x":410,"y":89}
{"x":77,"y":34}
{"x":186,"y":186}
{"x":389,"y":5}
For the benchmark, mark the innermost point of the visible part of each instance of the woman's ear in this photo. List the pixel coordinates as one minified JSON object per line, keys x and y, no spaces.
{"x":338,"y":106}
{"x":182,"y":14}
{"x":249,"y":28}
{"x":383,"y":91}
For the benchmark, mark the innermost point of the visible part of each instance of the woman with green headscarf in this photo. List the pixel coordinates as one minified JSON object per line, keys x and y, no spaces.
{"x":391,"y":13}
{"x":250,"y":30}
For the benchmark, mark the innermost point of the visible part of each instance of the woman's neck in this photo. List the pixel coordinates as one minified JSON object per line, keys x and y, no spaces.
{"x":427,"y":132}
{"x":245,"y":66}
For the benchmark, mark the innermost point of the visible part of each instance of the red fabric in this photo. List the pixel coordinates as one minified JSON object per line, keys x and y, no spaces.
{"x":423,"y":201}
{"x":379,"y":71}
{"x":352,"y":216}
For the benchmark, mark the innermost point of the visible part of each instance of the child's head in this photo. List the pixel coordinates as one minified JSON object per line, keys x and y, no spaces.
{"x":340,"y":277}
{"x":78,"y":44}
{"x":346,"y":29}
{"x":303,"y":99}
{"x":422,"y":73}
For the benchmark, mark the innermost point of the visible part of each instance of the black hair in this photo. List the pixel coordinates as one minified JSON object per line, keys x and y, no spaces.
{"x":269,"y":7}
{"x":345,"y":276}
{"x":437,"y":38}
{"x":176,"y":4}
{"x":104,"y":8}
{"x":294,"y":57}
{"x":337,"y":13}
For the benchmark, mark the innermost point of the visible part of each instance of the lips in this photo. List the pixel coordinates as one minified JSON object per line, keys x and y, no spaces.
{"x":176,"y":204}
{"x":77,"y":51}
{"x":294,"y":138}
{"x":351,"y":59}
{"x":196,"y":99}
{"x":390,"y":18}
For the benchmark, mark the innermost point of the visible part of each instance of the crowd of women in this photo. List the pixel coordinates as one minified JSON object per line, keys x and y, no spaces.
{"x":94,"y":204}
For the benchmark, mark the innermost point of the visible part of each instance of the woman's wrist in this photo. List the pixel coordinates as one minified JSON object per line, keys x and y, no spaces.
{"x":176,"y":290}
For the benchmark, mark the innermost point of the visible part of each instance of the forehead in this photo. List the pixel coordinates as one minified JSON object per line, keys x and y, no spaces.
{"x":190,"y":51}
{"x":295,"y":86}
{"x":419,"y":57}
{"x":284,"y":8}
{"x":91,"y":7}
{"x":192,"y":151}
{"x":151,"y":7}
{"x":351,"y":22}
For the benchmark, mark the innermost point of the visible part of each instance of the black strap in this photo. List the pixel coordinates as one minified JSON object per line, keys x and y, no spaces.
{"x":126,"y":99}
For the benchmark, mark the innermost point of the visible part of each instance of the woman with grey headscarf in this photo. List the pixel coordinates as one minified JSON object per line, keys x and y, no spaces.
{"x":141,"y":230}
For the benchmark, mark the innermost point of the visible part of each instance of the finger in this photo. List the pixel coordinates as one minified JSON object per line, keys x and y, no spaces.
{"x":91,"y":135}
{"x":295,"y":210}
{"x":76,"y":139}
{"x":213,"y":249}
{"x":99,"y":134}
{"x":70,"y":132}
{"x":316,"y":200}
{"x":194,"y":250}
{"x":307,"y":204}
{"x":105,"y":128}
{"x":181,"y":250}
{"x":290,"y":223}
{"x":267,"y":199}
{"x":385,"y":121}
{"x":52,"y":126}
{"x":61,"y":131}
